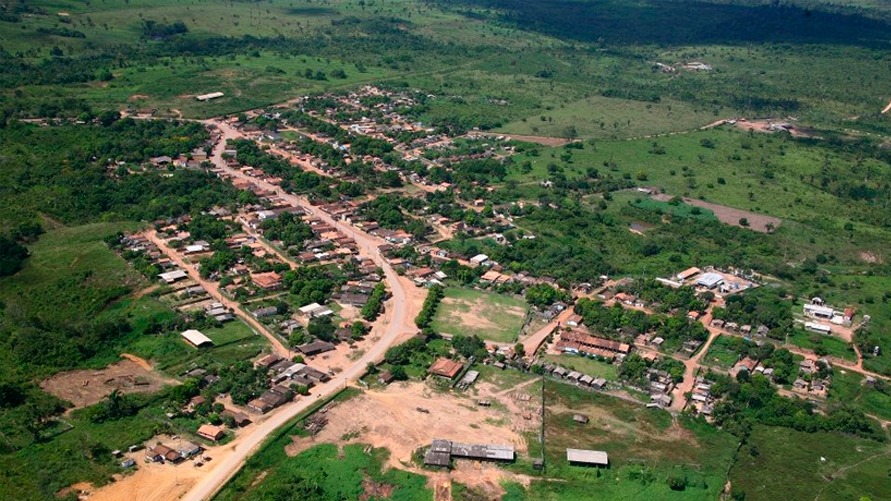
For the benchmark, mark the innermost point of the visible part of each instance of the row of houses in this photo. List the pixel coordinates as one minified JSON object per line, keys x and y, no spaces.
{"x":575,"y":377}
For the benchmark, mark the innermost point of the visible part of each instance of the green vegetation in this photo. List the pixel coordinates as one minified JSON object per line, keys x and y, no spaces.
{"x":822,"y":345}
{"x":724,"y":352}
{"x":428,"y":310}
{"x":491,"y":316}
{"x":825,"y":466}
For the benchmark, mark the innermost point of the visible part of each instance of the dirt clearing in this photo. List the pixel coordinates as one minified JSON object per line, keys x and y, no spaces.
{"x":390,"y":418}
{"x":728,"y":215}
{"x":87,"y":387}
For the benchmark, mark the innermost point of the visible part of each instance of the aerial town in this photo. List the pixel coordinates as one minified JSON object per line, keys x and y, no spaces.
{"x":317,"y":251}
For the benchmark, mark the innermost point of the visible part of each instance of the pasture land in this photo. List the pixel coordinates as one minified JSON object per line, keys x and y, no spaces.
{"x":820,"y":466}
{"x":822,"y":344}
{"x":89,"y":386}
{"x":493,"y":317}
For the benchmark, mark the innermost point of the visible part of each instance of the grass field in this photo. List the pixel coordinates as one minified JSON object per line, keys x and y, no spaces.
{"x":493,"y":317}
{"x":680,"y":210}
{"x":782,"y":460}
{"x":230,"y":332}
{"x":645,"y":448}
{"x":585,"y":365}
{"x":721,"y":354}
{"x":829,"y":345}
{"x":71,"y":274}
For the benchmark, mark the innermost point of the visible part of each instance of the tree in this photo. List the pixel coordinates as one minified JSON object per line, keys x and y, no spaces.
{"x":12,"y":256}
{"x":520,"y":350}
{"x":570,"y":133}
{"x":744,"y":222}
{"x":399,"y":373}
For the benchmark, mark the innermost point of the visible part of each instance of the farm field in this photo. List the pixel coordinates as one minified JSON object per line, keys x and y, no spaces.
{"x":824,"y":466}
{"x":230,"y":332}
{"x":492,"y":317}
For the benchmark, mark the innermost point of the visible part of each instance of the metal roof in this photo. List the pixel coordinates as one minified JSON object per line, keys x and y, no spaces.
{"x":587,"y":457}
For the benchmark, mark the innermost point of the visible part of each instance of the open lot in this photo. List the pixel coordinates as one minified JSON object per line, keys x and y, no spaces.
{"x":822,"y":344}
{"x":721,"y":354}
{"x":731,"y":216}
{"x":87,"y":387}
{"x":493,"y":317}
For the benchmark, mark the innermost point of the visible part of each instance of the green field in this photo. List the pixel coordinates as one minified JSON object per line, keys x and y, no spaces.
{"x":822,"y":344}
{"x":782,"y":460}
{"x":645,"y":449}
{"x":230,"y":332}
{"x":721,"y":354}
{"x":491,"y":316}
{"x":585,"y":365}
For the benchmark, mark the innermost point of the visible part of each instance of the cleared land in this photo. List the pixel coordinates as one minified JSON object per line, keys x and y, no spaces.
{"x":87,"y":387}
{"x":731,"y":216}
{"x":492,"y":317}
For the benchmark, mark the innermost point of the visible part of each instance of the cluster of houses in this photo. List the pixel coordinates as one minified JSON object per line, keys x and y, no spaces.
{"x":283,"y":374}
{"x":814,"y":378}
{"x":820,"y":317}
{"x":702,"y":402}
{"x":575,"y":377}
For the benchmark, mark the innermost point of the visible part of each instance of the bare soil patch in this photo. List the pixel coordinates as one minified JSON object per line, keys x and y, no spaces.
{"x":766,"y":126}
{"x":730,"y":215}
{"x":87,"y":387}
{"x":137,"y":97}
{"x":871,"y":257}
{"x":542,"y":140}
{"x":375,"y":490}
{"x":389,"y":418}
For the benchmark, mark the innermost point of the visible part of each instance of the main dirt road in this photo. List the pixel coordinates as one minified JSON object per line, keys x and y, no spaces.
{"x":404,"y":306}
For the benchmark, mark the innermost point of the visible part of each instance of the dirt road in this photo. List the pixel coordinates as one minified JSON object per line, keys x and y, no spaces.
{"x":532,"y":343}
{"x":404,"y":311}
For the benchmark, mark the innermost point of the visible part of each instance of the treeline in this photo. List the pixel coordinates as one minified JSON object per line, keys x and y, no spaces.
{"x":754,"y":400}
{"x":428,"y":310}
{"x":375,"y":302}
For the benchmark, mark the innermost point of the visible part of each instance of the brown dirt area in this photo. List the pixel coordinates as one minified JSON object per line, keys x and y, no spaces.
{"x":542,"y":140}
{"x":729,"y":215}
{"x":479,"y":314}
{"x":389,"y":418}
{"x":763,"y":126}
{"x":137,"y":97}
{"x":871,"y":257}
{"x":375,"y":490}
{"x":86,"y":387}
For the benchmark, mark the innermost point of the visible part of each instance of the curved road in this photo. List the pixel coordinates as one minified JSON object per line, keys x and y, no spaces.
{"x":403,"y":321}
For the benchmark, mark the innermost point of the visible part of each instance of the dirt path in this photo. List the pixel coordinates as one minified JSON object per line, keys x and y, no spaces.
{"x":887,"y":108}
{"x":532,"y":343}
{"x":678,"y":401}
{"x":138,"y":360}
